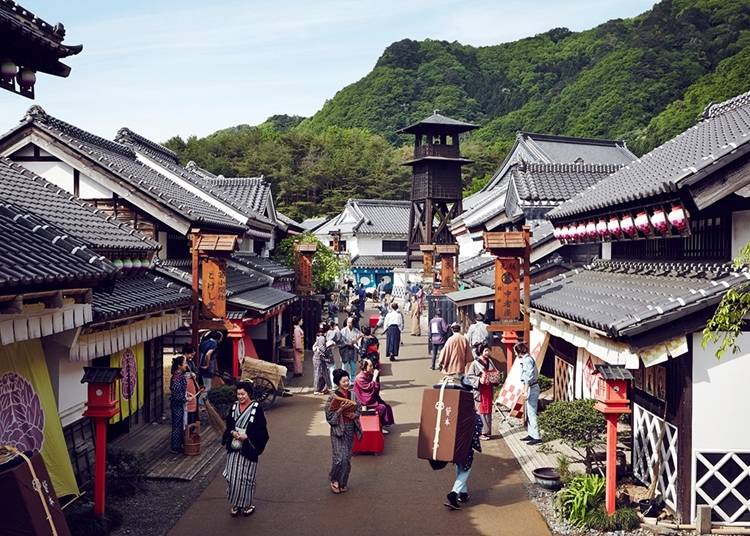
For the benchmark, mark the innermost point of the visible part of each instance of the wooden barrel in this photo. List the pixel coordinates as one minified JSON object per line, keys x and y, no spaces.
{"x":192,"y":446}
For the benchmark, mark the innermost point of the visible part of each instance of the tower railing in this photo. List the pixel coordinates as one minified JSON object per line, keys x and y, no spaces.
{"x":445,"y":151}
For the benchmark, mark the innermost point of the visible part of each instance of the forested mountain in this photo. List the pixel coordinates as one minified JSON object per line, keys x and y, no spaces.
{"x":642,"y":79}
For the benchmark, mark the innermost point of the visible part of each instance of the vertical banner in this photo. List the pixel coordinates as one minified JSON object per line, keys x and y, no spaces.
{"x":585,"y":377}
{"x":129,"y":389}
{"x":29,"y":419}
{"x":214,"y":286}
{"x":507,"y":289}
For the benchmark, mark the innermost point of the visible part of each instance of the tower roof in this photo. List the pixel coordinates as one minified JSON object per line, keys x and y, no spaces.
{"x":438,"y":122}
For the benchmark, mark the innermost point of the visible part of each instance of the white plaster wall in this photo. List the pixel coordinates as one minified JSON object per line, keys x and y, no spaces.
{"x":26,"y":151}
{"x":90,"y":189}
{"x":740,"y":231}
{"x":352,"y":245}
{"x":71,"y":392}
{"x":369,"y":246}
{"x":720,"y":397}
{"x":606,"y":251}
{"x":162,"y":238}
{"x":58,"y":173}
{"x":468,"y":247}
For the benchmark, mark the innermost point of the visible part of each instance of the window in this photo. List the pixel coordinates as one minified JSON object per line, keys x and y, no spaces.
{"x":394,"y":246}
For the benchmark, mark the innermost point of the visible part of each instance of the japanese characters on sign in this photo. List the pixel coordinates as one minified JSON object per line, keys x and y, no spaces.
{"x":214,"y":291}
{"x":507,"y":289}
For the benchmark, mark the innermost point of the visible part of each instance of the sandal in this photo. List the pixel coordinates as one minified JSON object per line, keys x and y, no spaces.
{"x":344,"y":489}
{"x":235,"y":511}
{"x":484,"y":437}
{"x":249,"y":510}
{"x":335,"y":488}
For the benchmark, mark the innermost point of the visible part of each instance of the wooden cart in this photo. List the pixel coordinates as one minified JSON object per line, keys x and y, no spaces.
{"x":268,"y":379}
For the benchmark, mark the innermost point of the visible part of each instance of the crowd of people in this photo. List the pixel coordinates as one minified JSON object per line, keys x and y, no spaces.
{"x":346,"y":369}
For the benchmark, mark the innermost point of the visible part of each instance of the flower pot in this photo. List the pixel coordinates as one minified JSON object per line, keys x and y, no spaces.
{"x":547,"y":477}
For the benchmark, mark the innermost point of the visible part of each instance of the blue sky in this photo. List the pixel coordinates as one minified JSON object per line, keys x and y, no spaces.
{"x":193,"y":67}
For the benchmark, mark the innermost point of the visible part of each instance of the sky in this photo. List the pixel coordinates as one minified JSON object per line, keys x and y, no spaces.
{"x":192,"y":67}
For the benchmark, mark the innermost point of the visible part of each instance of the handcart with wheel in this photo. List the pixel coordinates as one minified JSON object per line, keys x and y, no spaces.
{"x":268,"y":379}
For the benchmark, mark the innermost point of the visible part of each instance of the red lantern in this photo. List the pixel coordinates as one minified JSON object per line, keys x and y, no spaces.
{"x":659,"y":221}
{"x":677,"y":218}
{"x":642,"y":223}
{"x":591,"y":230}
{"x":614,"y":227}
{"x":565,"y":233}
{"x":8,"y":71}
{"x":557,"y":232}
{"x":601,"y":229}
{"x":26,"y":78}
{"x":581,"y":231}
{"x":627,"y":226}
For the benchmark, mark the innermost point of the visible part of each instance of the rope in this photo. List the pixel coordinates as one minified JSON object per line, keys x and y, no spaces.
{"x":36,"y":484}
{"x":439,"y":405}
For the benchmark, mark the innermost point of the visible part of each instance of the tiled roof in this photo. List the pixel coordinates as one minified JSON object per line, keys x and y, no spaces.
{"x":18,"y":20}
{"x":468,"y":266}
{"x":249,"y":192}
{"x":437,"y":119}
{"x":263,"y":265}
{"x":139,"y":294}
{"x":262,"y":299}
{"x":551,"y":184}
{"x":168,"y":159}
{"x":34,"y":254}
{"x":195,"y":168}
{"x":77,"y":218}
{"x":568,"y":149}
{"x":287,"y":220}
{"x":379,"y":261}
{"x":310,"y":224}
{"x":723,"y":130}
{"x":622,"y":298}
{"x":238,"y":279}
{"x":371,"y":216}
{"x":121,"y":161}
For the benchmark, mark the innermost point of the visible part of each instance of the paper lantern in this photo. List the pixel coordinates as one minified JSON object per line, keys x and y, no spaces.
{"x":614,"y":227}
{"x":601,"y":229}
{"x":127,"y":264}
{"x":8,"y":70}
{"x":627,"y":226}
{"x":659,"y":221}
{"x":677,"y":218}
{"x":581,"y":231}
{"x":26,"y":78}
{"x":591,"y":230}
{"x":557,"y":232}
{"x":566,"y":233}
{"x":642,"y":223}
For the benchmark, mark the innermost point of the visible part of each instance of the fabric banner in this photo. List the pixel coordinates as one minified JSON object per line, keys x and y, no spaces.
{"x":512,"y":387}
{"x":538,"y":342}
{"x":130,"y":388}
{"x":29,"y":419}
{"x":585,"y":373}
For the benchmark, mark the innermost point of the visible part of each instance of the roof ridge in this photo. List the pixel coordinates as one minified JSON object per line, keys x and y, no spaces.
{"x":570,"y":139}
{"x":715,"y":109}
{"x":128,"y":137}
{"x":570,"y":167}
{"x":36,"y":114}
{"x":55,"y":32}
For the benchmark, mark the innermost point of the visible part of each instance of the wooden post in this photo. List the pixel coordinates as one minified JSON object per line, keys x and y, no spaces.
{"x":611,"y":490}
{"x":510,"y":338}
{"x":235,"y":334}
{"x":304,"y":254}
{"x":100,"y":457}
{"x":703,"y":519}
{"x":195,"y":305}
{"x":428,"y":258}
{"x":449,"y":254}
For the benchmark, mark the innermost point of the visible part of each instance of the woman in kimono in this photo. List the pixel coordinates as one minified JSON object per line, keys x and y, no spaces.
{"x":321,"y":378}
{"x":299,"y":346}
{"x":245,"y":437}
{"x":367,"y":389}
{"x":342,"y":413}
{"x":482,"y":375}
{"x":177,"y":400}
{"x":369,"y":347}
{"x":394,"y":325}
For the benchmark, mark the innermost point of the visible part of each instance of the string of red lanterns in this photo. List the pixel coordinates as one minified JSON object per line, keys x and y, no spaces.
{"x":645,"y":224}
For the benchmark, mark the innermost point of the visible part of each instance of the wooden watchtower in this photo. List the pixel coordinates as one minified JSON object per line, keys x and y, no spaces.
{"x":436,"y":181}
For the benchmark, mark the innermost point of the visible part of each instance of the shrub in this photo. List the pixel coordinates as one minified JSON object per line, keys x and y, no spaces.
{"x":82,"y":521}
{"x":222,"y":398}
{"x":577,"y":500}
{"x":544,"y":382}
{"x":563,"y":469}
{"x":126,"y":472}
{"x":622,"y":519}
{"x":577,"y":424}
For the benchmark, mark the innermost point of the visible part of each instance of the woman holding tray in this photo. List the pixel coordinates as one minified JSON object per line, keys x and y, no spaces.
{"x":342,"y":413}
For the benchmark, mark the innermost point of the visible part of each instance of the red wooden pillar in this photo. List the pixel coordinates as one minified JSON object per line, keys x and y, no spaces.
{"x":100,"y":472}
{"x":510,"y":338}
{"x":611,"y":490}
{"x":235,"y":334}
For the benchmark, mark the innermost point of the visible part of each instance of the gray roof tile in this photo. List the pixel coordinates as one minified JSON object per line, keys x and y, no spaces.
{"x":617,"y":297}
{"x":379,"y":261}
{"x":724,"y":128}
{"x":137,"y":294}
{"x":373,"y":216}
{"x":550,"y":184}
{"x":102,"y":232}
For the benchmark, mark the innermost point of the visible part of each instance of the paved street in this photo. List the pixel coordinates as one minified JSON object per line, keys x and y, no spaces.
{"x":395,"y":493}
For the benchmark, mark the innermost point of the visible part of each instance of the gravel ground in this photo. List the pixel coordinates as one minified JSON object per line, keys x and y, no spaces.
{"x":544,"y":501}
{"x":157,"y":508}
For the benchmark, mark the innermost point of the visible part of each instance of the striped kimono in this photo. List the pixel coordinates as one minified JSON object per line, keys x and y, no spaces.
{"x":342,"y":438}
{"x":242,"y":462}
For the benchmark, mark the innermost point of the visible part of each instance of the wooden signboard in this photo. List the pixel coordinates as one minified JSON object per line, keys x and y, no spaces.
{"x":214,"y":291}
{"x":305,"y":254}
{"x":507,"y":289}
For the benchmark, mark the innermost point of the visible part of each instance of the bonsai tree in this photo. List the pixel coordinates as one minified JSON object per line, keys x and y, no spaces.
{"x":327,"y":266}
{"x":578,"y":425}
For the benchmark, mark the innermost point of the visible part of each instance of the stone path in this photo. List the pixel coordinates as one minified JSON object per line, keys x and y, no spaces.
{"x":395,"y":493}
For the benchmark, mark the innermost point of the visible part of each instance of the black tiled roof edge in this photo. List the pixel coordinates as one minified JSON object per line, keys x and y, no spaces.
{"x":719,"y":278}
{"x":195,"y":168}
{"x":67,"y":259}
{"x":526,"y":171}
{"x":263,"y":265}
{"x":77,"y":139}
{"x":238,"y":280}
{"x":169,"y":159}
{"x":378,"y":261}
{"x":613,"y":192}
{"x":144,"y":242}
{"x":220,"y":184}
{"x":43,"y":32}
{"x":137,"y":295}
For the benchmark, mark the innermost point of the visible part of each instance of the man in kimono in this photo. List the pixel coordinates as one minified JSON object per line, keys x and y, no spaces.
{"x":530,"y":381}
{"x":456,"y":354}
{"x":350,"y":336}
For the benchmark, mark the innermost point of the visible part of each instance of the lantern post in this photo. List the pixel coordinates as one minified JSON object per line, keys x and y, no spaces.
{"x":611,"y":394}
{"x":101,"y":406}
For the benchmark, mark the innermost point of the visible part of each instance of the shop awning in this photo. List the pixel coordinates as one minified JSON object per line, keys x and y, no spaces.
{"x":261,"y":299}
{"x":470,"y":296}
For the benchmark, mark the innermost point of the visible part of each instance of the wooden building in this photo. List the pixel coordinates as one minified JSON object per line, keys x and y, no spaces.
{"x":668,"y":226}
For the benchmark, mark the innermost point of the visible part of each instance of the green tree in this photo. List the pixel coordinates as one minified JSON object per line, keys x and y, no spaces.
{"x":578,"y":425}
{"x":327,"y":266}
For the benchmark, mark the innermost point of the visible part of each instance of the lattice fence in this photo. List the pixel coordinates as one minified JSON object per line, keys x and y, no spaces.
{"x":565,"y":380}
{"x":722,"y":481}
{"x":646,"y":427}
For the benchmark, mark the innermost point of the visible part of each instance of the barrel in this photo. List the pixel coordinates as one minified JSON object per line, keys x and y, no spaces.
{"x":192,"y":446}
